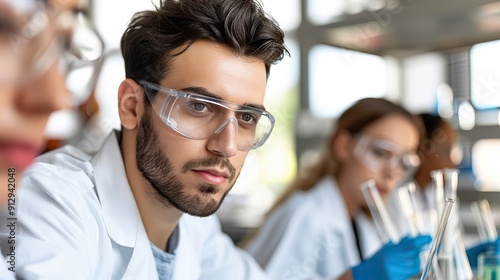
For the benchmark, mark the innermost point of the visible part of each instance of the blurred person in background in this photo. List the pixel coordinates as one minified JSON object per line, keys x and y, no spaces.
{"x":38,"y":50}
{"x":34,"y":64}
{"x":438,"y":150}
{"x":320,"y":228}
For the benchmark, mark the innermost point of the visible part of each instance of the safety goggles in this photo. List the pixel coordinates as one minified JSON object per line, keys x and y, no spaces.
{"x":42,"y":36}
{"x":379,"y":154}
{"x":197,"y":117}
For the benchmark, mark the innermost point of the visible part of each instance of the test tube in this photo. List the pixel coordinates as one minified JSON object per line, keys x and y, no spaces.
{"x":410,"y":204}
{"x":484,"y":220}
{"x":420,"y":212}
{"x":379,"y":211}
{"x":438,"y":188}
{"x":451,"y":182}
{"x":450,"y":191}
{"x":436,"y":242}
{"x":464,"y":270}
{"x":408,"y":210}
{"x":413,"y":214}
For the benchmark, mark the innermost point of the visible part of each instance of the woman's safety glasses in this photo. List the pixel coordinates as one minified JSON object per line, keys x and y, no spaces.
{"x":379,"y":154}
{"x":198,"y":117}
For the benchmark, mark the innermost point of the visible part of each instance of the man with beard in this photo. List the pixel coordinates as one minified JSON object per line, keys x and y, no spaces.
{"x":191,"y":107}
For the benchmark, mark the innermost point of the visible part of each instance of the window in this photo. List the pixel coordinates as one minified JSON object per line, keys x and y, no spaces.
{"x":485,"y":75}
{"x":485,"y":155}
{"x":339,"y":77}
{"x":286,"y":12}
{"x":422,"y":76}
{"x":324,"y":11}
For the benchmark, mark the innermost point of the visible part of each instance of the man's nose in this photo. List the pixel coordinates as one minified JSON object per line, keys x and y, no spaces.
{"x":230,"y":120}
{"x":224,"y":141}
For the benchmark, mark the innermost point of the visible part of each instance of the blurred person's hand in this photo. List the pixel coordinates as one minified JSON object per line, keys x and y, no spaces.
{"x":474,"y":251}
{"x":393,"y":261}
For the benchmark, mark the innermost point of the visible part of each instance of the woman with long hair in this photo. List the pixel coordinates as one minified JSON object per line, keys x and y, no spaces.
{"x":320,"y":228}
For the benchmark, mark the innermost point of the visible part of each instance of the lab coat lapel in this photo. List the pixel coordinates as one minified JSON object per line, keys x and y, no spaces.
{"x":187,"y":263}
{"x":370,"y":238}
{"x":330,"y":199}
{"x":142,"y":265}
{"x":118,"y":204}
{"x":120,"y":212}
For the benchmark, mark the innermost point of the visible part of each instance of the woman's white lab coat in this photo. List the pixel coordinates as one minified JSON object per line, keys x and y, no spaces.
{"x":310,"y":236}
{"x":77,"y":219}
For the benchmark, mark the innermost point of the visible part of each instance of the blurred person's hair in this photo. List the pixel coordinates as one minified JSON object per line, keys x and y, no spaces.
{"x":431,"y":123}
{"x":435,"y":129}
{"x":7,"y":20}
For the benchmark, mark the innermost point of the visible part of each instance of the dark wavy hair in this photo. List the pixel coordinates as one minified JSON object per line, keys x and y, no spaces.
{"x":154,"y":37}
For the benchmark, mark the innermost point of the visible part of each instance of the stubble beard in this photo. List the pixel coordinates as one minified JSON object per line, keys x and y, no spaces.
{"x":158,"y":170}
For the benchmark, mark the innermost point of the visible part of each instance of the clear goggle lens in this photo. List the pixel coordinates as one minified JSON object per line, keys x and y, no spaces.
{"x":198,"y":117}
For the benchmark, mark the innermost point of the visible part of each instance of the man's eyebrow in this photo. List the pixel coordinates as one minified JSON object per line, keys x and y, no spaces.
{"x":205,"y":92}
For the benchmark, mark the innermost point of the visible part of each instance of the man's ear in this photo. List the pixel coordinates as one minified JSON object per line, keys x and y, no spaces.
{"x":129,"y":97}
{"x":342,"y":146}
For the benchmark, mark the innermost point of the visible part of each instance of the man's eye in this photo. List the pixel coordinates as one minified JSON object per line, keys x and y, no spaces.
{"x":199,"y":106}
{"x":248,"y":118}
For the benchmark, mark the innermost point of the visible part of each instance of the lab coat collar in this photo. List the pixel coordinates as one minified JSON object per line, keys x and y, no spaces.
{"x":368,"y":236}
{"x":331,"y":197}
{"x":119,"y":208}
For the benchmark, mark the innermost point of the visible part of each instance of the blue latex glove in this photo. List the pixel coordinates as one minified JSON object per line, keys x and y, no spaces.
{"x":473,"y":252}
{"x":393,"y":261}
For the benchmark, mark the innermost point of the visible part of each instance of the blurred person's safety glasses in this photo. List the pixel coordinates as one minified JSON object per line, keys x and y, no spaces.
{"x":197,"y":117}
{"x":43,"y":36}
{"x":380,"y":154}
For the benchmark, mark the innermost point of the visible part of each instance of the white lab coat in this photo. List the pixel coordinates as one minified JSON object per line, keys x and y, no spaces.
{"x":5,"y":273}
{"x":310,"y":236}
{"x":78,"y":220}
